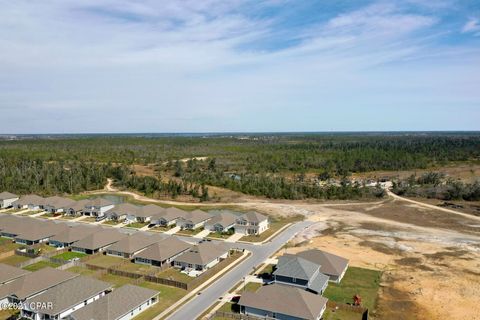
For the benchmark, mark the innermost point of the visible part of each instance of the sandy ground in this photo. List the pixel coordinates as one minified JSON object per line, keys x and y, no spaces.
{"x":429,"y":272}
{"x":430,"y":257}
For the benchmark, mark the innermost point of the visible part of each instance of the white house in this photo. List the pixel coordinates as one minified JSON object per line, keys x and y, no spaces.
{"x":251,"y":223}
{"x":193,"y":220}
{"x":201,"y":257}
{"x":123,"y":303}
{"x":7,"y":199}
{"x":60,"y":301}
{"x":97,"y":207}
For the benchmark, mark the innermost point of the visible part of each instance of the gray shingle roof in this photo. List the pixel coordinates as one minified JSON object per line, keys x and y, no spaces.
{"x":35,"y":282}
{"x":75,"y":233}
{"x":292,"y":266}
{"x":164,"y":249}
{"x":224,"y":219}
{"x":285,"y":300}
{"x":58,"y":202}
{"x":100,"y":239}
{"x":203,"y":253}
{"x":330,"y":264}
{"x":9,"y":273}
{"x":253,"y":216}
{"x":123,"y":209}
{"x":319,"y":283}
{"x":68,"y":294}
{"x":196,"y":216}
{"x":30,"y":199}
{"x":115,"y":304}
{"x":7,"y":195}
{"x":134,"y":243}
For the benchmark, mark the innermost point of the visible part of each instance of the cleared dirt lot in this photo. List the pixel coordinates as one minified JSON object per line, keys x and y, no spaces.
{"x":430,"y":271}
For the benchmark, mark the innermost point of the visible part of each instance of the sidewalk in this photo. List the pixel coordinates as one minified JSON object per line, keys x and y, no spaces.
{"x":38,"y":214}
{"x":20,"y":212}
{"x":173,"y":230}
{"x":200,"y":287}
{"x":234,"y":238}
{"x":202,"y":234}
{"x":79,"y":218}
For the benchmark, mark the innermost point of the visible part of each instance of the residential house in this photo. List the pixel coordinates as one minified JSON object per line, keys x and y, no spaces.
{"x":57,"y":204}
{"x":72,"y":234}
{"x":332,"y":265}
{"x":295,"y":271}
{"x":7,"y":199}
{"x":121,"y":211}
{"x":76,"y":208}
{"x":123,"y":303}
{"x":10,"y":225}
{"x":31,"y":202}
{"x":32,"y":284}
{"x":222,"y":222}
{"x":132,"y":244}
{"x":251,"y":223}
{"x":98,"y":241}
{"x":201,"y":257}
{"x":9,"y":273}
{"x":193,"y":219}
{"x":282,"y":302}
{"x":60,"y":301}
{"x":145,"y":213}
{"x":163,"y":252}
{"x":97,"y":207}
{"x":41,"y":231}
{"x":168,"y":217}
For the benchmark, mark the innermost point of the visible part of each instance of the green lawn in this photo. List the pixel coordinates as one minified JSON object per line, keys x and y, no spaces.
{"x":31,"y":212}
{"x":137,"y":225}
{"x":82,"y":271}
{"x":162,"y":228}
{"x":341,"y":315}
{"x":219,"y":235}
{"x":40,"y":265}
{"x":69,"y":255}
{"x":89,"y":219}
{"x":252,"y":286}
{"x":175,"y":274}
{"x":112,"y":222}
{"x":168,"y":296}
{"x":360,"y":281}
{"x":14,"y":260}
{"x":105,"y":261}
{"x":7,"y":245}
{"x":275,"y":225}
{"x":189,"y":232}
{"x":138,"y":268}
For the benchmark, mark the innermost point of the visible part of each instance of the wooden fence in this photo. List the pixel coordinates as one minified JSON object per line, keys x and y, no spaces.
{"x":238,"y":316}
{"x":348,"y":307}
{"x":167,"y":282}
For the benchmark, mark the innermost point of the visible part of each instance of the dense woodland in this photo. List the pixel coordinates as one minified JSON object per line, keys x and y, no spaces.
{"x":276,"y":166}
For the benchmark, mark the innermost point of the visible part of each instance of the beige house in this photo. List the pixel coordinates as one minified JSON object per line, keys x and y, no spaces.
{"x":251,"y":223}
{"x":7,"y":199}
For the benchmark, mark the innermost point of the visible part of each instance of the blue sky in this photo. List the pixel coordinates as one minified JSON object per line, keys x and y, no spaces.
{"x":211,"y":65}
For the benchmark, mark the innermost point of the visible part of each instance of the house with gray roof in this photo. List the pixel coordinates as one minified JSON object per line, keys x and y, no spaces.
{"x":61,"y":300}
{"x":251,"y":223}
{"x":121,"y":211}
{"x":163,"y":252}
{"x":39,"y":232}
{"x":145,"y":213}
{"x":123,"y":303}
{"x":332,"y":265}
{"x":72,"y":234}
{"x":168,"y":217}
{"x":295,"y":271}
{"x":221,"y":222}
{"x":132,"y":244}
{"x":201,"y":257}
{"x":193,"y":219}
{"x":98,"y":241}
{"x":7,"y":199}
{"x":75,"y":208}
{"x":32,"y":284}
{"x":57,"y":204}
{"x":30,"y":201}
{"x":97,"y":207}
{"x":277,"y":301}
{"x":9,"y":273}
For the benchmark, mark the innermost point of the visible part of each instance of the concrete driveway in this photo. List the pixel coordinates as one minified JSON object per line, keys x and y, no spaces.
{"x":260,"y":253}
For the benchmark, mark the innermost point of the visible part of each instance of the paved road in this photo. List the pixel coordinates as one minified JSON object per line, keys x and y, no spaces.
{"x":196,"y":306}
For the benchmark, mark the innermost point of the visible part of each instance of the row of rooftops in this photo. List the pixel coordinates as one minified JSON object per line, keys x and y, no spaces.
{"x":51,"y":291}
{"x":153,"y":247}
{"x":147,"y":211}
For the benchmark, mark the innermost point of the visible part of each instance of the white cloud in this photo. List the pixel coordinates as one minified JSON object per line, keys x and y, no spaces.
{"x":472,"y":26}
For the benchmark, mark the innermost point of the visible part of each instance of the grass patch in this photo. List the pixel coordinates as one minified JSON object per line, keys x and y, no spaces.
{"x":138,"y":268}
{"x":363,"y":282}
{"x":14,"y":260}
{"x":69,"y":255}
{"x":167,"y":297}
{"x":174,"y":274}
{"x":112,"y":222}
{"x":40,"y":265}
{"x":189,"y":232}
{"x":105,"y":261}
{"x":137,"y":225}
{"x":219,"y":235}
{"x":252,"y":286}
{"x":275,"y":225}
{"x":31,"y":212}
{"x":82,"y":271}
{"x":163,"y":228}
{"x":341,"y":315}
{"x":7,"y":245}
{"x":89,"y":219}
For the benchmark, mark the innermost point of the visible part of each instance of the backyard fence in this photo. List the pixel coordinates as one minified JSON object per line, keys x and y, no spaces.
{"x":237,"y":316}
{"x":167,"y":282}
{"x":348,"y":307}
